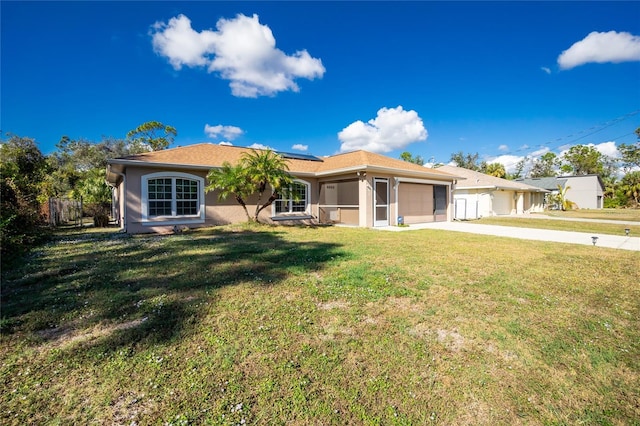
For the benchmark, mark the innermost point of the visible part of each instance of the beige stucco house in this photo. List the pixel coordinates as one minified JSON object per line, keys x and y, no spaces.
{"x":482,"y":195}
{"x":157,"y":191}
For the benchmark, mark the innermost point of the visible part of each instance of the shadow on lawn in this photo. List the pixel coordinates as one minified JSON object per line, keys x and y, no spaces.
{"x":106,"y":291}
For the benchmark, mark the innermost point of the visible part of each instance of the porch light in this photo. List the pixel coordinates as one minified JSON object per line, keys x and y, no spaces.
{"x":594,"y":239}
{"x":626,"y":231}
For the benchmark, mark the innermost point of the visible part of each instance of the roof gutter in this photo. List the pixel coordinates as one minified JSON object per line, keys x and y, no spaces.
{"x":152,"y":164}
{"x":477,"y":187}
{"x":389,"y":170}
{"x":188,"y":166}
{"x":423,"y":181}
{"x":504,"y":188}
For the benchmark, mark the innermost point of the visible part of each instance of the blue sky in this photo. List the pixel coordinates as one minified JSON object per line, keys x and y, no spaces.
{"x":504,"y":79}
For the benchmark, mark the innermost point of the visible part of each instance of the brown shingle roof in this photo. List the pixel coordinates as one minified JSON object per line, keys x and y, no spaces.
{"x":480,"y":180}
{"x":212,"y":155}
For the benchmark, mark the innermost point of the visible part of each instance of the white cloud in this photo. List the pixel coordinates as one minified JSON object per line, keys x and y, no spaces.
{"x":259,"y":146}
{"x":503,"y":148}
{"x":546,"y":70}
{"x":300,"y":147}
{"x":602,"y":47}
{"x":181,"y":44}
{"x":225,"y":143}
{"x":607,"y":148}
{"x":241,"y":50}
{"x":393,"y":128}
{"x":508,"y":161}
{"x":228,"y":132}
{"x":539,"y":152}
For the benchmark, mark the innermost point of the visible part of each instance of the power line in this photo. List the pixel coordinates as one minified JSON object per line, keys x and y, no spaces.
{"x":552,"y":145}
{"x":611,"y":123}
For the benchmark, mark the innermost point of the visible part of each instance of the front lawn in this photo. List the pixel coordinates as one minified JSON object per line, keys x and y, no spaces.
{"x":333,"y":326}
{"x":562,"y":225}
{"x":629,"y":215}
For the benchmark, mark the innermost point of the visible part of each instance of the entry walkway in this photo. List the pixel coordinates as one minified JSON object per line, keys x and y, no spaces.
{"x":604,"y":240}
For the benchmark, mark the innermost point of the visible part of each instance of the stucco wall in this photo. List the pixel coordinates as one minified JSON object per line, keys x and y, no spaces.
{"x":584,"y":191}
{"x":217,"y":212}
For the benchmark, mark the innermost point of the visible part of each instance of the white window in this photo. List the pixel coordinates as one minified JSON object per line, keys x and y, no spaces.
{"x":297,"y":200}
{"x":167,"y":196}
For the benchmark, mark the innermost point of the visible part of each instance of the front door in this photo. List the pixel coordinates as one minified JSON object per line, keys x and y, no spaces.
{"x":380,"y":202}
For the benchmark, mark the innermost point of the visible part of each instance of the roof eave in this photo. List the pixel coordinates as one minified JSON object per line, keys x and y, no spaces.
{"x":477,"y":187}
{"x":521,"y":189}
{"x":138,"y":163}
{"x":505,"y":188}
{"x":388,"y":170}
{"x":148,"y":164}
{"x":351,"y":169}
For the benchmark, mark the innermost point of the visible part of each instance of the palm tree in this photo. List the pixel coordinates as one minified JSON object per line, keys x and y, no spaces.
{"x":631,"y":187}
{"x":495,"y":169}
{"x":266,"y":168}
{"x":255,"y":173}
{"x":92,"y":188}
{"x":230,"y":181}
{"x":565,"y":204}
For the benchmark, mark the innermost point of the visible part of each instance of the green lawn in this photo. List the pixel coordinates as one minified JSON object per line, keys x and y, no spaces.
{"x":331,"y":326}
{"x":632,"y":215}
{"x":562,"y":225}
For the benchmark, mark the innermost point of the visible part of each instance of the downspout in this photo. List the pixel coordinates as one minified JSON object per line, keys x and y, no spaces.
{"x":124,"y":201}
{"x":396,"y":183}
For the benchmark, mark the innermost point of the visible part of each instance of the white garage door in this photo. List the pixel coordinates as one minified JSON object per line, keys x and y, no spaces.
{"x":502,"y":202}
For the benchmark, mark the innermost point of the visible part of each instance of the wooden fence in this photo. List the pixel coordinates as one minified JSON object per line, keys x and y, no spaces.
{"x":63,"y":211}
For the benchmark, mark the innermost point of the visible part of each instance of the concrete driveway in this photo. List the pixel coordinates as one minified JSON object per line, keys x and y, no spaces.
{"x":621,"y":242}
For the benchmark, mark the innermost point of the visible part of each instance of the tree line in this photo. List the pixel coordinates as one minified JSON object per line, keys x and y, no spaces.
{"x":620,"y":191}
{"x":76,"y":169}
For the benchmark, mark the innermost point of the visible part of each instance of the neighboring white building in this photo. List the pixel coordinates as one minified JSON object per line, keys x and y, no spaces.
{"x":586,"y":191}
{"x":481,"y":195}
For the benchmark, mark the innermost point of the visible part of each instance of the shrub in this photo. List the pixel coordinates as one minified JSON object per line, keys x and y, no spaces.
{"x":22,"y":167}
{"x":21,"y":224}
{"x":99,"y":212}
